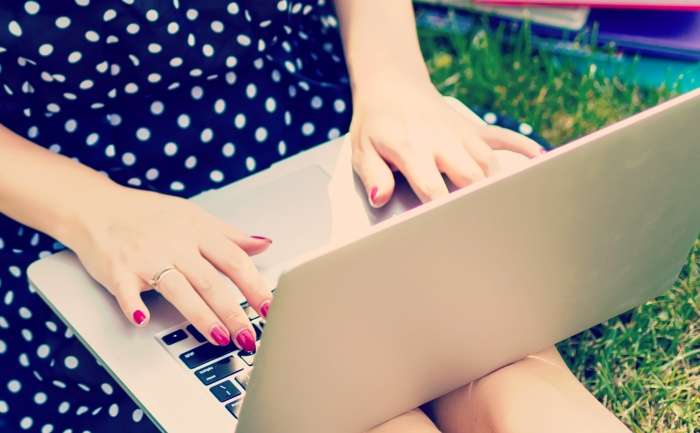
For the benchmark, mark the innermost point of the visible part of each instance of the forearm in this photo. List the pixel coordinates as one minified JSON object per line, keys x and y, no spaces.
{"x":381,"y":43}
{"x":44,"y":190}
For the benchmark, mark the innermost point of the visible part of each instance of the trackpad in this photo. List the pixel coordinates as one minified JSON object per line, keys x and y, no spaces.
{"x":294,"y":211}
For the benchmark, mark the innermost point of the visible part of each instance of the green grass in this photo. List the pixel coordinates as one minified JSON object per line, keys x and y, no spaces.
{"x":645,"y":364}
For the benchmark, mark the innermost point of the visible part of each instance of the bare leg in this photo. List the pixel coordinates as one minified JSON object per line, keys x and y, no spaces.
{"x":537,"y":394}
{"x":413,"y":421}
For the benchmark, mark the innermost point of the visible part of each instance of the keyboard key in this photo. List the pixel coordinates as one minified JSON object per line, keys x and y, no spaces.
{"x":258,"y":331}
{"x":196,"y":334}
{"x":174,"y":337}
{"x":248,"y":357}
{"x":235,"y":407}
{"x":243,"y":379}
{"x":205,"y":353}
{"x":225,"y":391}
{"x":219,"y":370}
{"x":252,"y":314}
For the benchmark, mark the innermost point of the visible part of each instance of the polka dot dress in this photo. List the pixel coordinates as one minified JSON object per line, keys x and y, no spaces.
{"x":174,"y":96}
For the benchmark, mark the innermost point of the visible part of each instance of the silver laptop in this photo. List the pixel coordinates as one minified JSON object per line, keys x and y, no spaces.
{"x":396,"y":313}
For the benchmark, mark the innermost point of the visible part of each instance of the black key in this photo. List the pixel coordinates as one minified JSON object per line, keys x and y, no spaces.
{"x":196,"y":334}
{"x":243,"y":379}
{"x":258,"y":331}
{"x":205,"y":353}
{"x":235,"y":407}
{"x":174,"y":337}
{"x":219,"y":370}
{"x":248,"y":357}
{"x":225,"y":391}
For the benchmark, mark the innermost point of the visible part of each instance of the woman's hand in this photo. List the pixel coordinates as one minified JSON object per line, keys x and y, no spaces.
{"x":409,"y":126}
{"x":130,"y":235}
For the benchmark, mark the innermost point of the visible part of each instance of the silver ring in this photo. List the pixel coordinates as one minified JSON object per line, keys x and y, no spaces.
{"x":158,"y":276}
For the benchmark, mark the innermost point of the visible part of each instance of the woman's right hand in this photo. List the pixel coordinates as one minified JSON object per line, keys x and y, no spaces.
{"x":129,"y":236}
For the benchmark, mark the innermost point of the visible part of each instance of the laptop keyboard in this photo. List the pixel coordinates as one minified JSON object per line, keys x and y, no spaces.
{"x":224,"y":370}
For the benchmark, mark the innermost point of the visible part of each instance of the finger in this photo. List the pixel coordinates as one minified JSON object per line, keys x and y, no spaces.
{"x":175,"y":287}
{"x":459,"y":166}
{"x":252,"y":245}
{"x":218,"y":296}
{"x":505,"y":139}
{"x":375,"y":173}
{"x":128,"y":294}
{"x":237,"y":265}
{"x":482,"y":154}
{"x":423,"y":176}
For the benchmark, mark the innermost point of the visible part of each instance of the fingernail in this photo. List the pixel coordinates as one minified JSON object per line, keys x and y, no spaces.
{"x":219,"y":335}
{"x":373,"y":194}
{"x":139,"y":317}
{"x":543,"y":150}
{"x":245,"y":340}
{"x":262,"y":238}
{"x":263,"y":309}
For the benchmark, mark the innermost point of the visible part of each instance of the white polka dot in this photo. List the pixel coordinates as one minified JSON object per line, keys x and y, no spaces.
{"x":525,"y":129}
{"x":231,"y":61}
{"x":62,"y":22}
{"x":152,"y":174}
{"x":260,"y":134}
{"x":157,"y":108}
{"x":114,"y":119}
{"x":207,"y":135}
{"x":192,"y":14}
{"x":86,"y":84}
{"x":270,"y":104}
{"x":176,"y":62}
{"x":31,"y":7}
{"x":177,"y":186}
{"x":152,"y":15}
{"x":297,"y":8}
{"x":183,"y":121}
{"x":3,"y":347}
{"x":63,"y":407}
{"x":216,"y":176}
{"x":26,"y":423}
{"x":46,"y":50}
{"x":316,"y":102}
{"x":92,"y":36}
{"x":228,"y":150}
{"x":4,"y":407}
{"x":196,"y":72}
{"x":128,"y":159}
{"x":51,"y":326}
{"x":24,"y":360}
{"x":25,"y":313}
{"x":9,"y":297}
{"x":15,"y":28}
{"x":287,"y":118}
{"x":75,"y":57}
{"x":339,"y":105}
{"x":68,"y":333}
{"x":27,"y":334}
{"x":155,"y":48}
{"x":250,"y":163}
{"x":251,"y":91}
{"x":197,"y":93}
{"x":170,"y":149}
{"x":282,"y":5}
{"x":14,"y":386}
{"x":191,"y":162}
{"x":33,"y":131}
{"x":191,"y":40}
{"x":244,"y":40}
{"x":81,"y":410}
{"x":40,"y":398}
{"x":261,"y":46}
{"x":219,"y":106}
{"x":290,"y":66}
{"x":71,"y":125}
{"x":292,"y":91}
{"x":217,"y":26}
{"x":71,"y":362}
{"x":232,"y":8}
{"x":109,"y":15}
{"x":239,"y":121}
{"x":231,"y":77}
{"x":113,"y":410}
{"x":307,"y":128}
{"x":110,"y":151}
{"x":207,"y":50}
{"x":135,"y":60}
{"x":47,"y":428}
{"x":82,"y":2}
{"x":133,"y":28}
{"x":3,"y":323}
{"x":173,"y":28}
{"x":134,"y":181}
{"x":154,"y":78}
{"x":143,"y":134}
{"x":282,"y":148}
{"x":490,"y":118}
{"x":258,"y":63}
{"x":131,"y":88}
{"x":114,"y":69}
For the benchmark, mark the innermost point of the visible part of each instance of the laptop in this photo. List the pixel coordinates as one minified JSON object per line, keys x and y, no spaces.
{"x":394,"y":308}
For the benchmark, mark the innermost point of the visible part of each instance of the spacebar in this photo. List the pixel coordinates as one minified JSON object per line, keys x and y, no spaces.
{"x":205,"y":353}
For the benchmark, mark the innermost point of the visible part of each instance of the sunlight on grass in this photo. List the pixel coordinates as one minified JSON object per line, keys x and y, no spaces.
{"x":645,"y":364}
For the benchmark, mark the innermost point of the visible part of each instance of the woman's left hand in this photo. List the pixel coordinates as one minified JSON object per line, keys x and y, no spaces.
{"x":409,"y":126}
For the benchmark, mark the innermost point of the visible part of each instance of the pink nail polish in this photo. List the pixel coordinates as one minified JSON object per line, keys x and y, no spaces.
{"x":543,"y":150}
{"x":373,"y":194}
{"x":262,"y":238}
{"x":139,"y":317}
{"x":264,"y":308}
{"x":245,"y":340}
{"x":220,"y":335}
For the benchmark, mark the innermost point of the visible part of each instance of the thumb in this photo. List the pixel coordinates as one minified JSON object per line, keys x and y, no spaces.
{"x":375,"y":173}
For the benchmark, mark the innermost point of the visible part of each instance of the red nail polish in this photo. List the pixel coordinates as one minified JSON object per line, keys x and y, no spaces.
{"x":246,"y":341}
{"x":262,"y":238}
{"x":263,"y":309}
{"x":373,"y":194}
{"x":139,"y":317}
{"x":220,"y":335}
{"x":543,"y":150}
